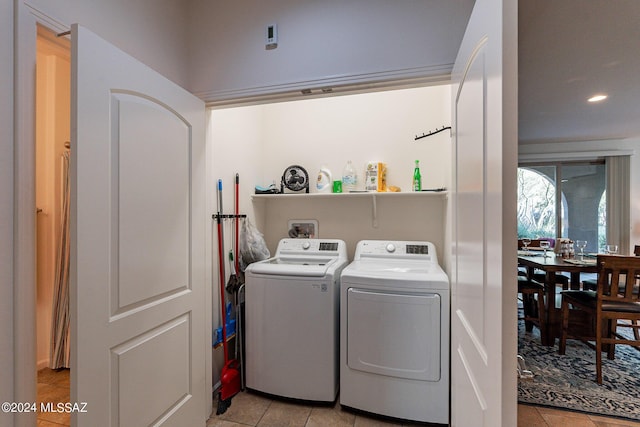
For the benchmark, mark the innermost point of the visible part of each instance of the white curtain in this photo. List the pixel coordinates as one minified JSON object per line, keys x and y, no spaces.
{"x":59,"y":351}
{"x":618,"y":204}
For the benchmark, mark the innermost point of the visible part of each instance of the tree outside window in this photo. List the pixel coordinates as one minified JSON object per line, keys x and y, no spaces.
{"x":579,"y":213}
{"x":536,"y":204}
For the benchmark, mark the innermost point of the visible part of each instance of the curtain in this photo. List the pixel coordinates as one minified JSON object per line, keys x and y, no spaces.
{"x":618,"y":204}
{"x":59,"y":351}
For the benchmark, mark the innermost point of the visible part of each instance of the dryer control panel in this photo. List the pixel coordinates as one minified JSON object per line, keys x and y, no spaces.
{"x":394,"y":249}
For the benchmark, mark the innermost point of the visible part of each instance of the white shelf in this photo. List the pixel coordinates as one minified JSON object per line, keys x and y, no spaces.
{"x":373,"y":195}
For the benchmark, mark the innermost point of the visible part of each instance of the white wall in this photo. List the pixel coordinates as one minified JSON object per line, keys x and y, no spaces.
{"x":153,"y":31}
{"x":568,"y":150}
{"x":235,"y":144}
{"x":6,"y":207}
{"x":320,"y":43}
{"x":378,"y":126}
{"x":261,"y":141}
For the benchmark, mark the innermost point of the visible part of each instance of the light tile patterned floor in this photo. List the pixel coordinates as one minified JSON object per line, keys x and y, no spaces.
{"x":253,"y":409}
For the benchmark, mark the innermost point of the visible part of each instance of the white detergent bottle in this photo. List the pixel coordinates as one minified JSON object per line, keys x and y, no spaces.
{"x":324,"y":181}
{"x":349,"y":177}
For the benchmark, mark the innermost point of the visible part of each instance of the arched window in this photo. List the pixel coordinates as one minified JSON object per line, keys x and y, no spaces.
{"x":536,"y":204}
{"x":602,"y":220}
{"x":563,"y":199}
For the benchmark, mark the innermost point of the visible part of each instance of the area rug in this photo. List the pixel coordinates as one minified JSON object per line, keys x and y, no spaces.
{"x":568,"y":381}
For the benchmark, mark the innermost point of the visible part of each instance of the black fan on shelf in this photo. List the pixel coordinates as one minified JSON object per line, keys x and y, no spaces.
{"x":295,"y":178}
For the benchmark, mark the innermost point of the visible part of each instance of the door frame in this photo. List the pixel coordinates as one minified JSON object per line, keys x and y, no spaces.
{"x":24,"y":247}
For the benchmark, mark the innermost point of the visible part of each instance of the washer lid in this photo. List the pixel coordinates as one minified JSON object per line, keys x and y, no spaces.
{"x":397,"y":273}
{"x":294,"y":266}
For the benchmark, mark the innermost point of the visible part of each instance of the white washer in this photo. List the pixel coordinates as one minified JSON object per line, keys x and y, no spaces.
{"x":394,"y":332}
{"x":292,"y":328}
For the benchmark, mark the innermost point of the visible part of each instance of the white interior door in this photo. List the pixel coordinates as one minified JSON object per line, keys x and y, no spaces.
{"x":483,"y":269}
{"x":138,"y":243}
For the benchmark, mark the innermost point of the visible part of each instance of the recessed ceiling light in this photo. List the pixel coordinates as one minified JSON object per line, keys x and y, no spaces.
{"x":597,"y":98}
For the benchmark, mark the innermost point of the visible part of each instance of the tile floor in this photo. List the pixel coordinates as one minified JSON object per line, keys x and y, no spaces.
{"x":251,"y":409}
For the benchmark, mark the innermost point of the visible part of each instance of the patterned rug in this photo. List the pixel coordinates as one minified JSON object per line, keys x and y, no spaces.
{"x":568,"y":381}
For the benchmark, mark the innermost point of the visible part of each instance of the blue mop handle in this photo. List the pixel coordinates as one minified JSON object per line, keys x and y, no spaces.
{"x":220,"y":210}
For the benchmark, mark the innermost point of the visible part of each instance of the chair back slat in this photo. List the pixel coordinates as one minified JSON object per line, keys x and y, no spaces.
{"x":618,"y":278}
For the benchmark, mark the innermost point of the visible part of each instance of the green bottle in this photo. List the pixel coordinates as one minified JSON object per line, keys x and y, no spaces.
{"x":417,"y":178}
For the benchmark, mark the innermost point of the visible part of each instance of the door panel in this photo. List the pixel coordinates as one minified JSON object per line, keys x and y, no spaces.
{"x":133,"y":384}
{"x":483,"y":264}
{"x":138,"y":295}
{"x":144,"y":237}
{"x":394,"y":334}
{"x":471,"y":188}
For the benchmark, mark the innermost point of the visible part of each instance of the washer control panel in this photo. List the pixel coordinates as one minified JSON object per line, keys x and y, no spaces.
{"x":324,"y":247}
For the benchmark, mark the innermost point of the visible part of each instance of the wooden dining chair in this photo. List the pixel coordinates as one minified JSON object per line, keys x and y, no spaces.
{"x":532,"y":297}
{"x":592,"y":285}
{"x":606,"y":306}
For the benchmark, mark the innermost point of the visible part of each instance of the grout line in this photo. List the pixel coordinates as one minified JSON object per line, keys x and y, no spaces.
{"x":264,"y":413}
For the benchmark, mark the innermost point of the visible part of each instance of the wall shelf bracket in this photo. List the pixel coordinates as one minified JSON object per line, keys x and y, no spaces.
{"x":374,"y":206}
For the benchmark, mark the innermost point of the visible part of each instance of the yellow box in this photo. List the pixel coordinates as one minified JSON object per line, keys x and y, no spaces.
{"x":375,"y":176}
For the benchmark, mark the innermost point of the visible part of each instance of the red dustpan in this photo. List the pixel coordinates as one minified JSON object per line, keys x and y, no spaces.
{"x":230,"y":380}
{"x":230,"y":383}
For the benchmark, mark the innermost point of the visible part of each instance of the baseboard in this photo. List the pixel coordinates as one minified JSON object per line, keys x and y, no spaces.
{"x":42,"y":364}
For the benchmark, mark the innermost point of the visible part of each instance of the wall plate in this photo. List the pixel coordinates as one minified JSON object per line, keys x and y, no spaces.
{"x":303,"y":228}
{"x":271,"y":36}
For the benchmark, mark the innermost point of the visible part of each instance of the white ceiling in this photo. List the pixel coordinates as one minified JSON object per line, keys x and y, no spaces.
{"x":568,"y":51}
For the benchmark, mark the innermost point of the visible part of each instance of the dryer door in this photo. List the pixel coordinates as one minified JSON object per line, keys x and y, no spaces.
{"x":394,"y":334}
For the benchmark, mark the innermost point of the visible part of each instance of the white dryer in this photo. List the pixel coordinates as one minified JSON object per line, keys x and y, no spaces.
{"x":394,"y":332}
{"x":292,"y":327}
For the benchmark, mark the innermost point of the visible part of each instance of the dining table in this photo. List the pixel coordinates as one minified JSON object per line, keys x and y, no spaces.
{"x":551,"y":265}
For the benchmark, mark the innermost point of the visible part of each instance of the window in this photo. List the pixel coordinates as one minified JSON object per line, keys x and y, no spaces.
{"x":536,"y":202}
{"x":565,"y":199}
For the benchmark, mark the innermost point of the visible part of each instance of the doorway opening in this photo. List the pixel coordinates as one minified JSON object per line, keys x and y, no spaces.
{"x":53,"y":97}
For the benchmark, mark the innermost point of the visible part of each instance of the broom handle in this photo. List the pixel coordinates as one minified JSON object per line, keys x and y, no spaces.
{"x":222,"y":273}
